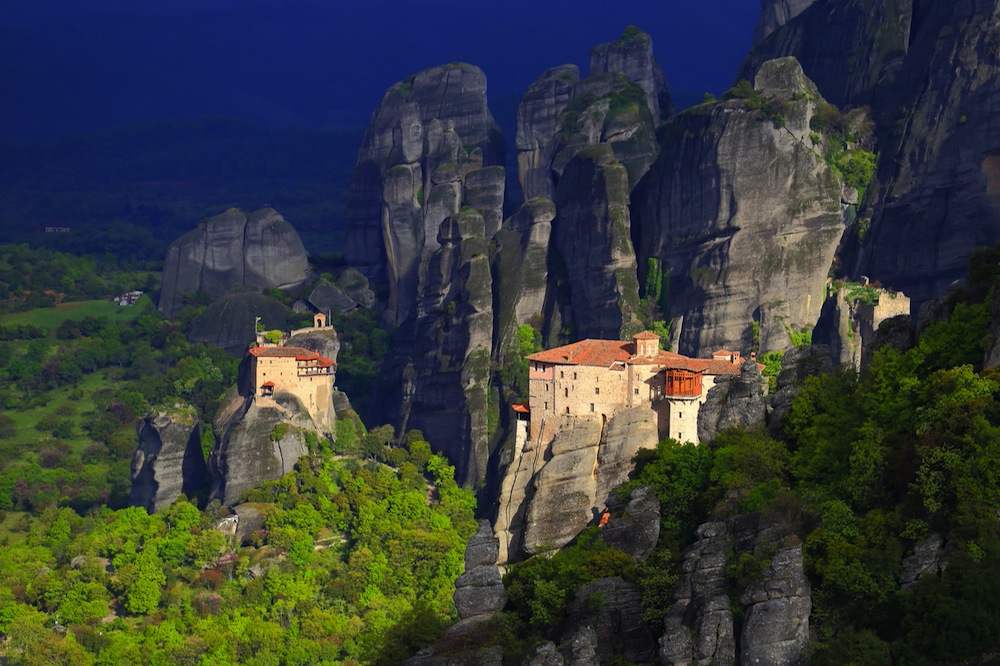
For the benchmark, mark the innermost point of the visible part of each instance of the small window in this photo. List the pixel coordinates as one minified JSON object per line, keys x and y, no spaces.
{"x":574,"y":375}
{"x":566,"y":393}
{"x":679,"y":437}
{"x":637,"y":391}
{"x":562,"y":375}
{"x":546,"y":405}
{"x":597,"y":391}
{"x":567,"y":410}
{"x":591,"y":406}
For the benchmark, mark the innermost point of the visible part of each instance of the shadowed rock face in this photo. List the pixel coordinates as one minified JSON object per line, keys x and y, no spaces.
{"x":592,"y":235}
{"x":734,"y":401}
{"x":938,"y":184}
{"x":230,"y":321}
{"x":850,"y":48}
{"x":745,"y":216}
{"x":168,"y":461}
{"x":776,"y":13}
{"x":436,"y":377}
{"x":232,"y":249}
{"x":413,"y":171}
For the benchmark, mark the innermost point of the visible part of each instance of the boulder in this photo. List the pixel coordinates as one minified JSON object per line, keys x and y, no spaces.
{"x":230,"y":321}
{"x":168,"y":460}
{"x":259,"y":249}
{"x":634,"y":526}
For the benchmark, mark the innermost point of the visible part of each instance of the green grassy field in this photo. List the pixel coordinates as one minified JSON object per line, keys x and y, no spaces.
{"x":51,"y":318}
{"x":69,"y":403}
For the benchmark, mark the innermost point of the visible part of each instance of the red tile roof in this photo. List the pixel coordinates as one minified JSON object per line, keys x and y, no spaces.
{"x":604,"y":353}
{"x":521,"y":407}
{"x":646,"y":335}
{"x":268,"y":384}
{"x":298,"y":353}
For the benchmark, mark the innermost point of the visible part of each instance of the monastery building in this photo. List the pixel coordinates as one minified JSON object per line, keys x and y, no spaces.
{"x":599,"y":378}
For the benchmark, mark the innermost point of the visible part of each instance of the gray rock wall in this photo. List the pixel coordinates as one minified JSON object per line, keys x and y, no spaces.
{"x":745,"y":215}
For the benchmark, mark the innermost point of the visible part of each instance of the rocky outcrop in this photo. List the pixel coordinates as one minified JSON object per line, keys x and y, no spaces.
{"x":622,"y":100}
{"x":233,"y":249}
{"x":852,"y":49}
{"x":592,"y":235}
{"x":479,"y":592}
{"x":851,"y":320}
{"x":776,"y":602}
{"x":230,"y":321}
{"x":735,"y":401}
{"x":436,"y":377}
{"x":632,"y":55}
{"x":253,"y":448}
{"x":929,"y":558}
{"x":415,"y":168}
{"x":744,"y":214}
{"x":992,"y":357}
{"x":549,"y":494}
{"x":168,"y":461}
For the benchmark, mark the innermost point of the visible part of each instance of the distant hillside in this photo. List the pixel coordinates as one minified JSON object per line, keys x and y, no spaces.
{"x":134,"y":189}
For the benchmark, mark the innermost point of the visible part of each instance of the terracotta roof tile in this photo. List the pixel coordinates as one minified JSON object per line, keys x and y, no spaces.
{"x":298,"y":353}
{"x":603,"y":353}
{"x":646,"y":335}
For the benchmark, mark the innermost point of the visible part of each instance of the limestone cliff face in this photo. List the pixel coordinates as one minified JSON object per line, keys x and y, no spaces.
{"x":436,"y":377}
{"x":699,"y":627}
{"x":429,"y":134}
{"x":233,"y":249}
{"x":735,"y":401}
{"x":537,"y":119}
{"x":245,"y":455}
{"x":745,"y":215}
{"x":168,"y":460}
{"x":852,"y":49}
{"x":549,"y":494}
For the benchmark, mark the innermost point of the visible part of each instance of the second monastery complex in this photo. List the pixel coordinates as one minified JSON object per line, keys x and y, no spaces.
{"x":598,"y":378}
{"x":284,"y":368}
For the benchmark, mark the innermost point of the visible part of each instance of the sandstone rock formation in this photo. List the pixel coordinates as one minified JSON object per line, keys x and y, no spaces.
{"x":745,"y":215}
{"x":632,"y":55}
{"x":435,"y":379}
{"x":634,"y":526}
{"x":776,"y":13}
{"x":232,"y":249}
{"x":168,"y":460}
{"x":413,"y":171}
{"x":734,"y":401}
{"x":615,"y":628}
{"x":699,"y":627}
{"x":938,"y":186}
{"x":559,"y":114}
{"x":479,"y":592}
